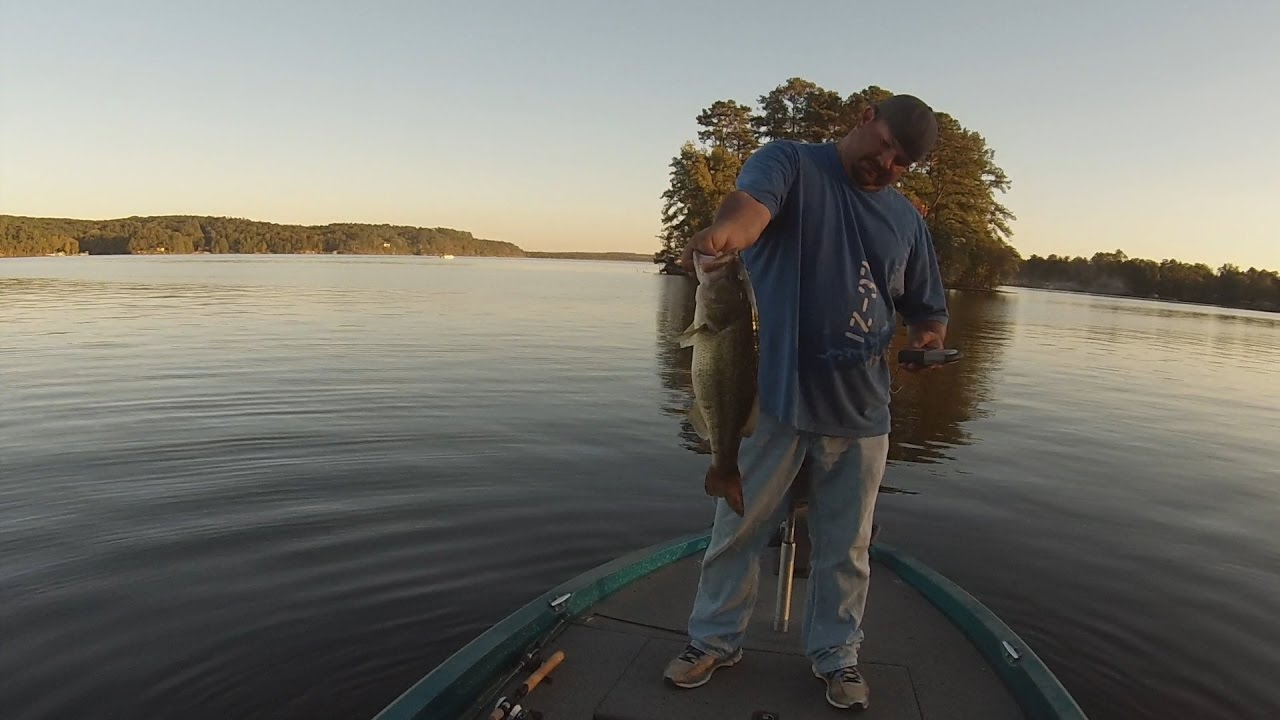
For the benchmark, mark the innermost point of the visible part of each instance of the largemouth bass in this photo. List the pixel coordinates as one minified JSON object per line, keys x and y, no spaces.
{"x":725,"y":345}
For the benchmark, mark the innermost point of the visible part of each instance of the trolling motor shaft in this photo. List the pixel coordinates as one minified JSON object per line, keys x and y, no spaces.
{"x":786,"y":571}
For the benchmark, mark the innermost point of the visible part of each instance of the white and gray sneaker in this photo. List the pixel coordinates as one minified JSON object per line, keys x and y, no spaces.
{"x":845,"y":688}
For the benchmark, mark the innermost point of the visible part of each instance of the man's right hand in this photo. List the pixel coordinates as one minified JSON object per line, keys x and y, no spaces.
{"x":708,"y":241}
{"x":738,"y":224}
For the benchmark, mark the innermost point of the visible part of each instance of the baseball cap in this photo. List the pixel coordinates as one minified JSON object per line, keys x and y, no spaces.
{"x":911,"y":122}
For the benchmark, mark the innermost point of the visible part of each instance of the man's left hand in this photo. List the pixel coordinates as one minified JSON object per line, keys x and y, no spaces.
{"x":929,"y":335}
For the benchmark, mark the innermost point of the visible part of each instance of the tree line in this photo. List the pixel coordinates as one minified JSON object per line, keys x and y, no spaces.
{"x":1115,"y":273}
{"x":20,"y":236}
{"x":954,"y":188}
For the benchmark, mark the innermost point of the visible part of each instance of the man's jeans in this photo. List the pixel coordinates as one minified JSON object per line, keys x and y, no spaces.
{"x":844,"y":477}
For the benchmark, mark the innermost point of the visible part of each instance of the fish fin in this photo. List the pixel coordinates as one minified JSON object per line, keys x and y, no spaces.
{"x":699,"y":422}
{"x":749,"y":428}
{"x":686,"y":337}
{"x":733,"y":496}
{"x":697,"y":325}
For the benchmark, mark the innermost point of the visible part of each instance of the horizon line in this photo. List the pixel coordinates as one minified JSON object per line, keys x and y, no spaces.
{"x":524,"y":249}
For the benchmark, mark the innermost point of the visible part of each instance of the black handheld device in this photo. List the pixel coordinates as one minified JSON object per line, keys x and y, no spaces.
{"x":929,"y":357}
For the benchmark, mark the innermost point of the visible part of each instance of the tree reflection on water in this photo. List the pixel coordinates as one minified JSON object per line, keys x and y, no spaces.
{"x":929,"y":409}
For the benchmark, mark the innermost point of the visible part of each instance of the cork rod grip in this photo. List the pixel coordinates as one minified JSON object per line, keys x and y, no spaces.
{"x":543,"y":671}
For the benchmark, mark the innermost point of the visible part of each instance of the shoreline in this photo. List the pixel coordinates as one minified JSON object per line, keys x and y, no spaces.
{"x":1141,"y":297}
{"x":529,"y":255}
{"x":635,"y":258}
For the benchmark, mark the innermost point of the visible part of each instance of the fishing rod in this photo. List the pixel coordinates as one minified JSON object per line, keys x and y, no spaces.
{"x":558,"y":605}
{"x":508,"y":708}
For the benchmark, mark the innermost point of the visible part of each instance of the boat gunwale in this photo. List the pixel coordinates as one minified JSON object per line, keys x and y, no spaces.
{"x":455,"y":685}
{"x":1037,"y":690}
{"x":468,"y":675}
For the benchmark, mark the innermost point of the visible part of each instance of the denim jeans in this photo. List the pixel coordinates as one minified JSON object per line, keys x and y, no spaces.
{"x":844,"y":478}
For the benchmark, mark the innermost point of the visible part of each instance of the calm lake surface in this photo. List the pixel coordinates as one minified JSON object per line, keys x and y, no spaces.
{"x":287,"y":487}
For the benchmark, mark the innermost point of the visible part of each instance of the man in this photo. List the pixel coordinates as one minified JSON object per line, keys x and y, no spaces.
{"x":833,"y":252}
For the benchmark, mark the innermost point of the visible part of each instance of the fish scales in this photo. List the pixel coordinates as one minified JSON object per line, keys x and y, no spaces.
{"x":725,"y":345}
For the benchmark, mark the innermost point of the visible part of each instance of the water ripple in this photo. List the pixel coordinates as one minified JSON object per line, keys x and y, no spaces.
{"x":287,"y":487}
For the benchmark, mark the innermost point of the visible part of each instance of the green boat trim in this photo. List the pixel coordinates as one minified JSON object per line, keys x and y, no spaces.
{"x":1035,"y":687}
{"x":474,"y":672}
{"x":462,"y":679}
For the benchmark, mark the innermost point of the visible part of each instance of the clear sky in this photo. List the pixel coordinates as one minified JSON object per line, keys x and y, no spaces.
{"x":1143,"y":125}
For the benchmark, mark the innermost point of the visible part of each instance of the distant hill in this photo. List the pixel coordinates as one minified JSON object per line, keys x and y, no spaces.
{"x":180,"y":234}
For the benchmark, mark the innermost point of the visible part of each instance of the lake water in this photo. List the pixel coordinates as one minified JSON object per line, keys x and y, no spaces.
{"x":287,"y":487}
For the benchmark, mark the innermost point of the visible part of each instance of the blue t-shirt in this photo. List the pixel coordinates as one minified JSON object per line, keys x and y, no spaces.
{"x":829,"y":272}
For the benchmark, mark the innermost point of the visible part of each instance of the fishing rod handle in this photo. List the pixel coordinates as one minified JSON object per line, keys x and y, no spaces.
{"x":543,"y":671}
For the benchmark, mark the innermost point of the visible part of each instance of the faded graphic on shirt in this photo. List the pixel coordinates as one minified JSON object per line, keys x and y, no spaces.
{"x":868,"y":331}
{"x":861,"y":321}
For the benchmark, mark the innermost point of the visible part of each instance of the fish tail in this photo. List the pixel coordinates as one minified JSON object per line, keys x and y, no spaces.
{"x":726,"y":483}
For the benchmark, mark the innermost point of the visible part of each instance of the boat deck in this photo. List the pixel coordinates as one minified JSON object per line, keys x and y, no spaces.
{"x":916,"y":662}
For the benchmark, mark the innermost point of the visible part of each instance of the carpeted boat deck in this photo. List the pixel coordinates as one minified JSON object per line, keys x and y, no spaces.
{"x":917,"y":664}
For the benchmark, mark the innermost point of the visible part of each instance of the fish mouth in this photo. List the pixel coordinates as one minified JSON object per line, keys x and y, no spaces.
{"x":709,"y":268}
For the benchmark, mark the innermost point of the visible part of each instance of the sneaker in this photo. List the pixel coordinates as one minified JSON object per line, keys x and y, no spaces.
{"x":845,"y":688}
{"x":693,"y":667}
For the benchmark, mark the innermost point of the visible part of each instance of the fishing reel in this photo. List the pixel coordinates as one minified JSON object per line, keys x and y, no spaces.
{"x":523,"y":713}
{"x":515,"y":712}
